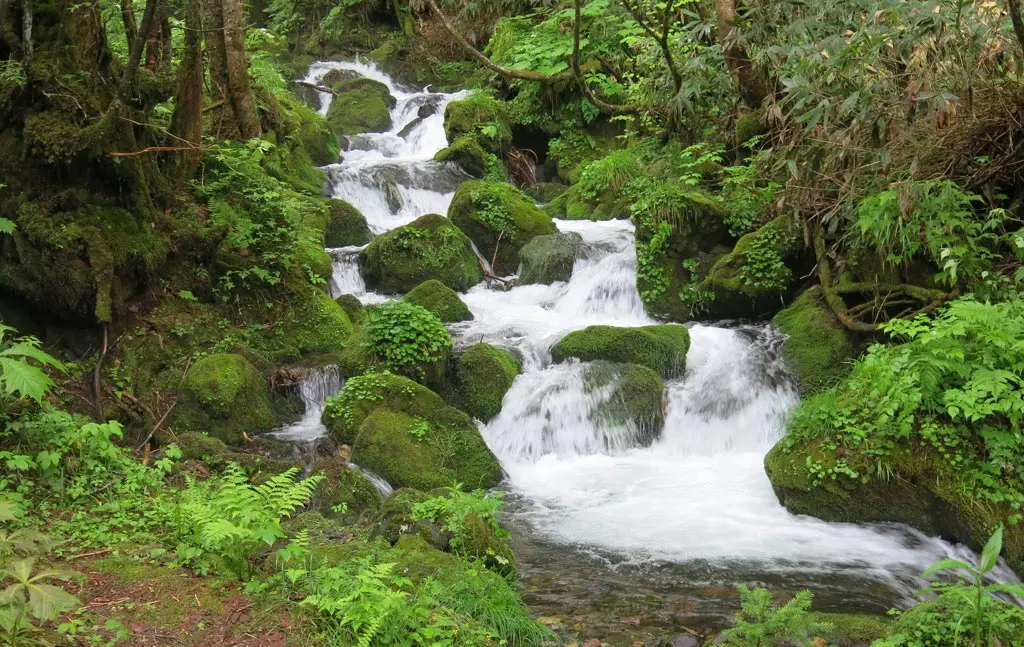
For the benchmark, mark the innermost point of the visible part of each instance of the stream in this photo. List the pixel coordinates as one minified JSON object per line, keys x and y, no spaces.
{"x":611,"y":536}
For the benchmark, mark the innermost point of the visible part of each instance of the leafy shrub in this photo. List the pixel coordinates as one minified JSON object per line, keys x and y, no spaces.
{"x":226,"y":519}
{"x":19,"y":375}
{"x":956,"y":385}
{"x":451,"y":511}
{"x":407,"y":337}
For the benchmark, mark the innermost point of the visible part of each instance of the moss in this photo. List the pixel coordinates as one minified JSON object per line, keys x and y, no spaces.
{"x":853,"y":629}
{"x":945,"y":616}
{"x":360,"y":106}
{"x":346,"y":226}
{"x":440,"y":300}
{"x":482,"y":542}
{"x":557,"y":207}
{"x":430,"y":247}
{"x":467,"y":152}
{"x":918,"y":488}
{"x":395,"y":519}
{"x":481,"y":116}
{"x":752,"y":279}
{"x":549,"y":258}
{"x":357,"y":357}
{"x":408,"y":435}
{"x":636,"y":397}
{"x":482,"y":375}
{"x":316,"y":136}
{"x":225,"y":396}
{"x":545,"y":192}
{"x":318,"y":325}
{"x":499,"y":219}
{"x":354,"y":308}
{"x":344,"y":485}
{"x":660,"y":348}
{"x":818,"y":349}
{"x":748,"y":126}
{"x":198,"y":446}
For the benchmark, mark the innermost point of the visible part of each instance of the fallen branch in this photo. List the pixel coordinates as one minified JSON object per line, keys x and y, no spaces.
{"x":157,"y":425}
{"x":318,"y":88}
{"x":159,"y":149}
{"x":93,"y":553}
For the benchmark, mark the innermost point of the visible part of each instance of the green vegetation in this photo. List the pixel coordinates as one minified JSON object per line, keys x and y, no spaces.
{"x":482,"y":375}
{"x":407,"y":338}
{"x":225,"y":395}
{"x":818,"y":349}
{"x":440,"y":300}
{"x":346,"y":226}
{"x":430,"y":247}
{"x":499,"y":219}
{"x":360,"y":106}
{"x":660,"y":348}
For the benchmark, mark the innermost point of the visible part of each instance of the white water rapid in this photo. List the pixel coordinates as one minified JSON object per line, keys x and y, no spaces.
{"x":697,"y":498}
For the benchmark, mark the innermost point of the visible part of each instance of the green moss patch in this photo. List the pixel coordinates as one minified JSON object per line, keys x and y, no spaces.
{"x":660,"y":348}
{"x":360,"y":106}
{"x":346,"y":226}
{"x":225,"y":396}
{"x":482,"y":375}
{"x":431,"y":247}
{"x":440,"y":300}
{"x":818,"y":348}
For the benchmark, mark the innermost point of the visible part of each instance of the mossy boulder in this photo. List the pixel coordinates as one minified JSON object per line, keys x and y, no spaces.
{"x":441,"y":300}
{"x":635,"y":398}
{"x":481,"y":541}
{"x":818,"y":348}
{"x":945,"y":616}
{"x":660,"y":348}
{"x":482,"y":376}
{"x":317,"y":324}
{"x":395,"y":520}
{"x":674,"y":254}
{"x":481,"y":116}
{"x":346,"y":486}
{"x":316,"y":136}
{"x":430,"y":247}
{"x":468,"y":153}
{"x":549,"y":258}
{"x":920,"y":488}
{"x":353,"y":308}
{"x":346,"y":226}
{"x":360,"y":106}
{"x":224,"y":395}
{"x":755,"y":278}
{"x":408,"y":435}
{"x":198,"y":446}
{"x":499,"y":219}
{"x":545,"y":192}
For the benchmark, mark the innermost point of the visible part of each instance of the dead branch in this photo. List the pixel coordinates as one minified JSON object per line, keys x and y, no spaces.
{"x":318,"y":88}
{"x":158,"y":149}
{"x":157,"y":425}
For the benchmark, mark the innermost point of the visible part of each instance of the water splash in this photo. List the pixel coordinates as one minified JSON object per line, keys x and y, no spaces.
{"x":314,"y":387}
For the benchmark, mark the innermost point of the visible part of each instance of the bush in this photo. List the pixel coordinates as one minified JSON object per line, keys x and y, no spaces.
{"x":407,"y":337}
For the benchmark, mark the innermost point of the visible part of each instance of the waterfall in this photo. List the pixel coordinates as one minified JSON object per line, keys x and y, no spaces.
{"x":314,"y":387}
{"x":697,"y":497}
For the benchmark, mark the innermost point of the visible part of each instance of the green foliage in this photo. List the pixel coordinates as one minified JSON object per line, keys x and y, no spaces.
{"x":762,"y":623}
{"x":763,"y":266}
{"x":453,"y":509}
{"x":19,"y":374}
{"x":955,"y":385}
{"x":611,"y":173}
{"x":407,"y":337}
{"x":223,"y":521}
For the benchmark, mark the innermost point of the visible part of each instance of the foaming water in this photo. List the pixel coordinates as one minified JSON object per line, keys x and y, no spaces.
{"x":345,"y":276}
{"x":314,"y":388}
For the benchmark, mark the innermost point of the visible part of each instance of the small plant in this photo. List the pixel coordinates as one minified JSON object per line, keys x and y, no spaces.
{"x":407,"y":337}
{"x":451,"y":511}
{"x":762,"y":623}
{"x":19,"y":374}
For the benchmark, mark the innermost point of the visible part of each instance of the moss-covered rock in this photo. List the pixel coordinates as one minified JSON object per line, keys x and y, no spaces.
{"x":357,"y":357}
{"x":749,"y":125}
{"x":316,"y":136}
{"x":353,"y":308}
{"x":660,"y":348}
{"x":344,"y":486}
{"x":225,"y":396}
{"x":545,"y":192}
{"x":441,"y":300}
{"x":317,"y":324}
{"x":482,"y":116}
{"x":346,"y":226}
{"x":673,"y":254}
{"x":549,"y":258}
{"x":396,"y":520}
{"x":481,"y":541}
{"x":854,"y":629}
{"x":635,"y":398}
{"x":754,"y":278}
{"x":198,"y":446}
{"x":360,"y":106}
{"x":430,"y":247}
{"x":408,"y":435}
{"x":481,"y":377}
{"x":946,"y":617}
{"x":818,"y":348}
{"x":498,"y":218}
{"x":467,"y":152}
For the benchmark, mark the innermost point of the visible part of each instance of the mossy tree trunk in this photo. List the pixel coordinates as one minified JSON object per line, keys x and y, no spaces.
{"x":135,"y":54}
{"x":213,"y":30}
{"x":242,"y":100}
{"x":131,"y":30}
{"x":26,"y":32}
{"x":187,"y":121}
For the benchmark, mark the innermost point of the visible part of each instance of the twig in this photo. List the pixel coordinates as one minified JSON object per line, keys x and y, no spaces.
{"x":90,"y":554}
{"x":158,"y":149}
{"x":157,"y":425}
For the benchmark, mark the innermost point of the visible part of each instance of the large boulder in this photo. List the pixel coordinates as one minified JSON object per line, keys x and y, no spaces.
{"x":499,"y":219}
{"x":478,"y":129}
{"x":317,"y":325}
{"x":549,"y":258}
{"x":660,"y":348}
{"x":440,"y":300}
{"x":754,"y":278}
{"x":224,"y":395}
{"x":635,"y":398}
{"x":481,"y":377}
{"x":408,"y":435}
{"x":430,"y":247}
{"x":345,"y":226}
{"x":360,"y":106}
{"x":818,"y":348}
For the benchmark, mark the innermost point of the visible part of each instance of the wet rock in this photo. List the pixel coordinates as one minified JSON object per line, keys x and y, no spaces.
{"x":335,"y":77}
{"x":549,"y":258}
{"x":393,"y":196}
{"x":684,"y":640}
{"x":660,"y":348}
{"x":429,"y":108}
{"x":345,"y":226}
{"x":482,"y":375}
{"x":360,"y":106}
{"x":409,"y":127}
{"x":818,"y":348}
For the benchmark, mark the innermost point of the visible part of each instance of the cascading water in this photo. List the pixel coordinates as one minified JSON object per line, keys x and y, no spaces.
{"x":598,"y":516}
{"x":314,"y":388}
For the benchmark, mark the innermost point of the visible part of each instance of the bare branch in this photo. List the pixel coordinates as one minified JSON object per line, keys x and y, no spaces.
{"x":615,"y":109}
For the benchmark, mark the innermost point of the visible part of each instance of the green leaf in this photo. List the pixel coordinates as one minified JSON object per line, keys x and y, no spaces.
{"x":7,"y":226}
{"x":990,"y":554}
{"x":946,"y":565}
{"x":47,"y":601}
{"x":23,"y":379}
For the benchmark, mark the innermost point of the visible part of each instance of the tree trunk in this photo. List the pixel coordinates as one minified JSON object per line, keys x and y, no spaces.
{"x":242,"y":100}
{"x":166,"y":53}
{"x":1013,"y":7}
{"x":26,"y":33}
{"x":153,"y":47}
{"x":130,"y":72}
{"x":213,"y":29}
{"x":750,"y":83}
{"x":131,"y":30}
{"x":187,"y":120}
